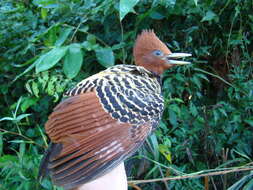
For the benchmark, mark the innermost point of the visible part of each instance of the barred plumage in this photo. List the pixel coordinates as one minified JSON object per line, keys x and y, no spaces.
{"x":129,"y":94}
{"x":107,"y":116}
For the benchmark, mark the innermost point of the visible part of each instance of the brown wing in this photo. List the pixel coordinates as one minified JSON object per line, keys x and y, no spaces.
{"x":87,"y":141}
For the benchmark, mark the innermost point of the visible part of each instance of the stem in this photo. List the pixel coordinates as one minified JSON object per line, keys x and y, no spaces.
{"x":25,"y":137}
{"x":188,"y":176}
{"x":98,"y":39}
{"x":214,"y":75}
{"x":122,"y":38}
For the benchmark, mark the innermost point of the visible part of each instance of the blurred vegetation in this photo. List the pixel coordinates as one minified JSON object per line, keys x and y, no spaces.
{"x":47,"y":46}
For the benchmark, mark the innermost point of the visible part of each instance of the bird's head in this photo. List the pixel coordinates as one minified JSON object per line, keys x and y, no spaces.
{"x":151,"y":53}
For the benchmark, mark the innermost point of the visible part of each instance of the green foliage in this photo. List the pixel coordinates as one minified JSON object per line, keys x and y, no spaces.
{"x":246,"y":183}
{"x":105,"y":57}
{"x":47,"y":46}
{"x":125,"y":7}
{"x":73,"y":61}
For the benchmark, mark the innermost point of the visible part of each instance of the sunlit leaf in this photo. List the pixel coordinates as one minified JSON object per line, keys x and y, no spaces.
{"x":43,"y":13}
{"x":7,"y":159}
{"x":73,"y":61}
{"x":126,"y":6}
{"x":35,"y":89}
{"x":170,"y":3}
{"x":28,"y":102}
{"x":49,"y":59}
{"x":210,"y":15}
{"x":22,"y":116}
{"x":165,"y":152}
{"x":7,"y":119}
{"x":105,"y":57}
{"x":46,"y":3}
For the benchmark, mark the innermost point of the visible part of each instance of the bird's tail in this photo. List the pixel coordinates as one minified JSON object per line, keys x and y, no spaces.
{"x":51,"y":152}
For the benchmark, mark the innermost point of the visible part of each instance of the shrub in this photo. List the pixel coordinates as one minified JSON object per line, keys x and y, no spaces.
{"x":47,"y":46}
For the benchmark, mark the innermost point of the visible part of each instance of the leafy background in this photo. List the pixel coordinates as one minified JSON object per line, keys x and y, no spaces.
{"x":47,"y":46}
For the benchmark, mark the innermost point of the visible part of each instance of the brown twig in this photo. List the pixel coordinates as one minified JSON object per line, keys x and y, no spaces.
{"x":25,"y":137}
{"x":206,"y":181}
{"x":134,"y":186}
{"x":228,"y":170}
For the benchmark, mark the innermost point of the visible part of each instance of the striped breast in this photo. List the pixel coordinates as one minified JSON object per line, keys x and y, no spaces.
{"x":130,"y":94}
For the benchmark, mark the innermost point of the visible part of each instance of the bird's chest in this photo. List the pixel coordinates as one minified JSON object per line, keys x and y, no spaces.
{"x":134,"y":99}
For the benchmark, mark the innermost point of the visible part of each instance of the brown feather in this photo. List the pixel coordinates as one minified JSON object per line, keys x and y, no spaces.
{"x":92,"y":141}
{"x":145,"y":44}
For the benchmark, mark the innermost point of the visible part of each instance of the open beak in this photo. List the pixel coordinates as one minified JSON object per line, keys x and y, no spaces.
{"x":170,"y":58}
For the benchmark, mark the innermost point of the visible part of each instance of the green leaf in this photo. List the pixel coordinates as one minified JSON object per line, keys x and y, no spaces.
{"x":249,"y":121}
{"x":239,"y":184}
{"x":105,"y":57}
{"x":165,"y":152}
{"x":156,"y":15}
{"x":35,"y":89}
{"x":242,"y":154}
{"x":51,"y":36}
{"x":18,"y":141}
{"x":63,"y":36}
{"x":193,"y":110}
{"x":210,"y":15}
{"x":21,"y":149}
{"x":43,"y":13}
{"x":46,"y":3}
{"x":196,"y":2}
{"x":29,"y":68}
{"x":173,"y":118}
{"x":118,"y":46}
{"x":7,"y":119}
{"x":154,"y":144}
{"x":49,"y":59}
{"x":90,"y":43}
{"x":22,"y":116}
{"x":91,"y":38}
{"x":17,"y":119}
{"x":28,"y":102}
{"x":126,"y":6}
{"x":196,"y":81}
{"x":249,"y":185}
{"x":6,"y":159}
{"x":170,"y":3}
{"x":73,"y":61}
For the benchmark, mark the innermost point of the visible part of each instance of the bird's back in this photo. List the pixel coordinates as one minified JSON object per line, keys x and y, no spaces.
{"x":129,"y":93}
{"x":103,"y":121}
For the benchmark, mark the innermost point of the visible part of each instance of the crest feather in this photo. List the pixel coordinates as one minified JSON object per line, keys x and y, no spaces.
{"x":147,"y":42}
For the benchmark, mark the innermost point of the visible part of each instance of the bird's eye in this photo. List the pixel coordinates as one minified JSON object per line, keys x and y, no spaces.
{"x":157,"y":53}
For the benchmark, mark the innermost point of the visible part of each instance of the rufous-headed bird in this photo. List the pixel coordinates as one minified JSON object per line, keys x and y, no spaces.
{"x":107,"y":116}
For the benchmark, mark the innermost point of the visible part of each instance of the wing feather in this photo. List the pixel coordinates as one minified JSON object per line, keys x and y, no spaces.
{"x":89,"y":141}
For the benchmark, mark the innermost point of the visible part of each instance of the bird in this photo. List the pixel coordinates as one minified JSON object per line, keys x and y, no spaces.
{"x":107,"y":116}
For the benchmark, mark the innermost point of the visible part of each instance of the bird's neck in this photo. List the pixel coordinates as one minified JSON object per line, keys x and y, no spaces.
{"x":157,"y":76}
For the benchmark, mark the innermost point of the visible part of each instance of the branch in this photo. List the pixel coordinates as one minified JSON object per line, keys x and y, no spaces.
{"x":188,"y":176}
